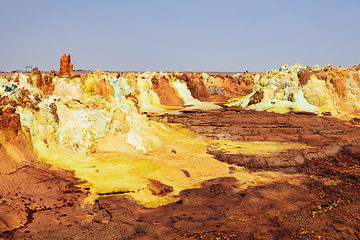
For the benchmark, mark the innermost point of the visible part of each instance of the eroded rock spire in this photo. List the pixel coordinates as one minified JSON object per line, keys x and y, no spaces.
{"x":66,"y":66}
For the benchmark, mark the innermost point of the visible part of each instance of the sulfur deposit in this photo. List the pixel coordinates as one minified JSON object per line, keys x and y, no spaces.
{"x":163,"y":142}
{"x":322,"y":90}
{"x":94,"y":125}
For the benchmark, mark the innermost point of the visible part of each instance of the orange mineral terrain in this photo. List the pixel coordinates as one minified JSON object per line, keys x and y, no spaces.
{"x":156,"y":155}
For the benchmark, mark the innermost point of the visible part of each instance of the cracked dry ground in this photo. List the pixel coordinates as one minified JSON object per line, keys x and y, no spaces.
{"x":323,"y":204}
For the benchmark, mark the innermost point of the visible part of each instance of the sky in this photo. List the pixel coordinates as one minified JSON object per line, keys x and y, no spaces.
{"x":183,"y":35}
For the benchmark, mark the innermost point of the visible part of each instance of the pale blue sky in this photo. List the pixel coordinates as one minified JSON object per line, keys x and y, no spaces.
{"x":179,"y":35}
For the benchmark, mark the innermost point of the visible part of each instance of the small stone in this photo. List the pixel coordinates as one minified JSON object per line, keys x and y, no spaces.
{"x":159,"y":189}
{"x":186,"y":173}
{"x":232,"y":169}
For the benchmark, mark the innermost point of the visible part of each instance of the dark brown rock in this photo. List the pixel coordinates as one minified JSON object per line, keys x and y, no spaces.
{"x":257,"y":97}
{"x":53,"y":110}
{"x":305,"y":74}
{"x":39,"y":81}
{"x":186,"y":172}
{"x":158,"y":188}
{"x":10,"y":122}
{"x":197,"y":87}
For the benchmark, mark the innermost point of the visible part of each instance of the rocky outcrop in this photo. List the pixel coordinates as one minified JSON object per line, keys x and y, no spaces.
{"x":45,"y":84}
{"x":196,"y":86}
{"x":166,"y":93}
{"x":339,"y":80}
{"x":247,"y":78}
{"x":312,"y":89}
{"x":305,"y":74}
{"x":103,"y":88}
{"x":10,"y":120}
{"x":22,"y":98}
{"x":218,"y":88}
{"x":257,"y":97}
{"x":66,"y":67}
{"x":238,"y":85}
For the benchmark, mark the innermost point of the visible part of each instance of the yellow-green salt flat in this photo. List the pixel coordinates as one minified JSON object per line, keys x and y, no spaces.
{"x":130,"y":171}
{"x":254,"y":148}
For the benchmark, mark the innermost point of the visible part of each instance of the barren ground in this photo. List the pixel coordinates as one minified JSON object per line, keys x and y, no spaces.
{"x":322,"y":204}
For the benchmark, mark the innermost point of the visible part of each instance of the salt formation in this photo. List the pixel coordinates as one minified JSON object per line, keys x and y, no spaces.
{"x":323,"y":90}
{"x":95,"y":125}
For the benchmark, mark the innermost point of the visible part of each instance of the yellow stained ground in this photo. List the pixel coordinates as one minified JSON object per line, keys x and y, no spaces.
{"x":130,"y":171}
{"x":254,"y":148}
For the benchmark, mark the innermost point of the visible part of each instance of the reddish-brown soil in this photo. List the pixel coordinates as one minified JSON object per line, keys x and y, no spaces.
{"x":323,"y":204}
{"x":327,"y":135}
